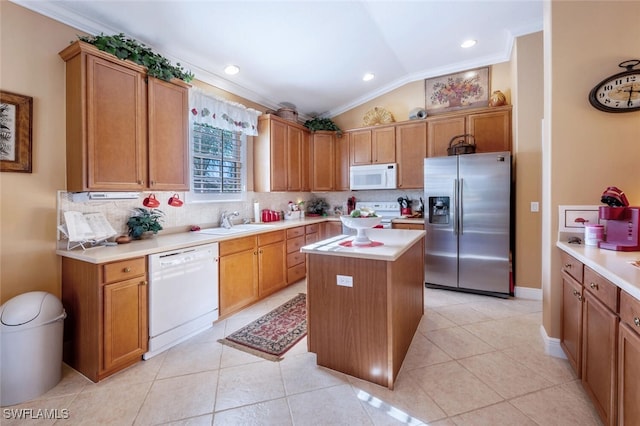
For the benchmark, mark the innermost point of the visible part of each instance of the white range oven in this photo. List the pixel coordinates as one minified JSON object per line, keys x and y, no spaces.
{"x":387,"y":210}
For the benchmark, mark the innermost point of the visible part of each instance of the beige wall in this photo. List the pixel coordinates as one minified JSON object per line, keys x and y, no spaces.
{"x":31,"y":66}
{"x":527,"y":77}
{"x":402,"y":100}
{"x":588,"y":150}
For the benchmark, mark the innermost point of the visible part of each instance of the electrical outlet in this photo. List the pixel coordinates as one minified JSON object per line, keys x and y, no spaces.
{"x":535,"y":206}
{"x":344,"y":280}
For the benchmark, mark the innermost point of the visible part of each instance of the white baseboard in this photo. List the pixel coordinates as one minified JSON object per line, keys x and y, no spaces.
{"x":528,"y":293}
{"x":551,"y":345}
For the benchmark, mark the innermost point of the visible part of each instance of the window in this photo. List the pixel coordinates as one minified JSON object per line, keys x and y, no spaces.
{"x":218,"y":171}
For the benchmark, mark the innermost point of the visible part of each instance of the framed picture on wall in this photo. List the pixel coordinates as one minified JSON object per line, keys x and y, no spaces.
{"x":15,"y":132}
{"x":452,"y":92}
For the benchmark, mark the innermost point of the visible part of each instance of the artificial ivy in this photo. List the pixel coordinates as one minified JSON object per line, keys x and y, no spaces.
{"x":127,"y":48}
{"x":321,"y":124}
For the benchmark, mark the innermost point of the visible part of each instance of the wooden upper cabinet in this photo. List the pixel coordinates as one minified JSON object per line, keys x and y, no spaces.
{"x":305,"y":162}
{"x":383,"y":145}
{"x":294,"y":159}
{"x":371,"y":146}
{"x":361,"y":147}
{"x":440,"y":131}
{"x":281,"y":155}
{"x":323,"y":161}
{"x":342,"y":162}
{"x":168,"y":135}
{"x":411,"y":149}
{"x":115,"y":114}
{"x":491,"y":128}
{"x":122,"y":133}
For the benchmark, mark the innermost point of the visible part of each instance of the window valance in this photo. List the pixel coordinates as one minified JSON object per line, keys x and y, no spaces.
{"x":222,"y":114}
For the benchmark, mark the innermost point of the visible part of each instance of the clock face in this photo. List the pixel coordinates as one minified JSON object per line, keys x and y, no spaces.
{"x":618,"y":93}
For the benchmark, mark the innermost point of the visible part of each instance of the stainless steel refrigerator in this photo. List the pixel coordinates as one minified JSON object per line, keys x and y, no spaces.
{"x":468,"y":222}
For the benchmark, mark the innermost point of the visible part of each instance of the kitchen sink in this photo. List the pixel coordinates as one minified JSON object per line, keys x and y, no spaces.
{"x":236,"y":229}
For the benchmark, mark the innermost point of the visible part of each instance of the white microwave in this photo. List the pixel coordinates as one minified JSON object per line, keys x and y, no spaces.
{"x":374,"y":176}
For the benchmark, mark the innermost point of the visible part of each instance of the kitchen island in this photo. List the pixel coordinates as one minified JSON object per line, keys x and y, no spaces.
{"x":364,"y":304}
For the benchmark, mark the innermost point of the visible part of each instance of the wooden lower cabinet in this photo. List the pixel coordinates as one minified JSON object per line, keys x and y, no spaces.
{"x":571,"y":339}
{"x":418,"y":226}
{"x":238,"y":274}
{"x":629,"y":361}
{"x":250,"y":268}
{"x":106,"y":328}
{"x":296,"y":265}
{"x":272,"y":272}
{"x":330,"y":229}
{"x":599,"y":344}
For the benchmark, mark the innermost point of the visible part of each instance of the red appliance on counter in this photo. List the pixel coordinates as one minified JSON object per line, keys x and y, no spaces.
{"x":623,"y":222}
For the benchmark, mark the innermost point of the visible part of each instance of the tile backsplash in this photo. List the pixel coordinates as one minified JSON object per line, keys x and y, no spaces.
{"x":178,"y":219}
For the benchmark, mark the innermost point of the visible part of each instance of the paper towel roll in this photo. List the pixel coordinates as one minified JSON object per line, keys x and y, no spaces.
{"x":417,"y":114}
{"x":256,"y":212}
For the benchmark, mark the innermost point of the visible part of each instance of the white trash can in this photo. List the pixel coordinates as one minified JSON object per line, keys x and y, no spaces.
{"x":31,"y":333}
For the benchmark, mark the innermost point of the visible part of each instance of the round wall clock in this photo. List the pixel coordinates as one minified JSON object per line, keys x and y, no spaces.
{"x":620,"y":92}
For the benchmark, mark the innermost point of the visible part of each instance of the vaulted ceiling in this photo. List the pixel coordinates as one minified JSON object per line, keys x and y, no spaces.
{"x":310,"y":54}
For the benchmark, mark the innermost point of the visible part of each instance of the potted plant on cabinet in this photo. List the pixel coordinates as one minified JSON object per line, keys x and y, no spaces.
{"x":317,"y":207}
{"x":144,"y":220}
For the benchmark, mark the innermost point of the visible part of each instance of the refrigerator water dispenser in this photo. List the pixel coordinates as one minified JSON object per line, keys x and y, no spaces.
{"x":439,"y":210}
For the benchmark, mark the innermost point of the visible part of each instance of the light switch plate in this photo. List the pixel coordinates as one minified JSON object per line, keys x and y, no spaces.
{"x":344,"y":280}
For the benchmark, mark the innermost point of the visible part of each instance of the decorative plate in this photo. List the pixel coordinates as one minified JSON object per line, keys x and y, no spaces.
{"x":377,"y":115}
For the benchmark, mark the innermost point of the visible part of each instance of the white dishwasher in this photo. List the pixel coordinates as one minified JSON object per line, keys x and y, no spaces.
{"x":183,"y":295}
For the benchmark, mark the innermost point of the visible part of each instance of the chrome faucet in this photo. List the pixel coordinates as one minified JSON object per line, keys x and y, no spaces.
{"x":225,"y":220}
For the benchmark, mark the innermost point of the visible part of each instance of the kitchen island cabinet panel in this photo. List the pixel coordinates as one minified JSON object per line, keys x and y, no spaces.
{"x":364,"y":328}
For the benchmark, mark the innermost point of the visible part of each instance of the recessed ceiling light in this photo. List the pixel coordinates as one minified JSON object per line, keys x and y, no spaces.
{"x":368,"y":77}
{"x":232,"y":69}
{"x":468,"y":43}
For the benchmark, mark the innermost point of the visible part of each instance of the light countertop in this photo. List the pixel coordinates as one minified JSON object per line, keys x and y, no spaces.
{"x":616,"y":266}
{"x":169,"y":242}
{"x":394,"y":243}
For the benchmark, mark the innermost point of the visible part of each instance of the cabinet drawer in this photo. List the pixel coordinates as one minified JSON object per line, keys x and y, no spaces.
{"x":296,"y":273}
{"x":311,"y":238}
{"x":630,"y":311}
{"x":270,"y":237}
{"x":311,"y":229}
{"x":294,"y":244}
{"x":602,"y":288}
{"x":124,"y":269}
{"x":295,"y":232}
{"x":572,"y":266}
{"x":295,"y":258}
{"x":237,"y":245}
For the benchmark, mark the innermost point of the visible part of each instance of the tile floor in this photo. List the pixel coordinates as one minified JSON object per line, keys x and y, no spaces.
{"x":475,"y":360}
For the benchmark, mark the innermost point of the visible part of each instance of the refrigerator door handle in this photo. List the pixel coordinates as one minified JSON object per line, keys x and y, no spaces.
{"x":455,"y":207}
{"x":461,"y":207}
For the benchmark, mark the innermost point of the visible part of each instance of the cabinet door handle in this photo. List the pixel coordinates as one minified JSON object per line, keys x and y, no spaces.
{"x":636,"y":321}
{"x":593,"y":286}
{"x":575,"y":292}
{"x":144,"y":282}
{"x":567,"y":266}
{"x":127,"y":269}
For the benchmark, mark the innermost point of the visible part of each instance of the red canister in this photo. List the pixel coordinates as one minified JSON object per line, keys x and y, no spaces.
{"x":266,"y":217}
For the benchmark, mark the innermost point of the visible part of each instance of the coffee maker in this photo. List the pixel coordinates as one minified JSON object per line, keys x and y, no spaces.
{"x":623,"y":222}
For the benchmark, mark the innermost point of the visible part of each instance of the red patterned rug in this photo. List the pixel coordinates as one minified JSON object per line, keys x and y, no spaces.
{"x":273,"y":334}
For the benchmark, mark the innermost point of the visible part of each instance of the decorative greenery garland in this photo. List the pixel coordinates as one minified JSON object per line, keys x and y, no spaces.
{"x":126,"y":48}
